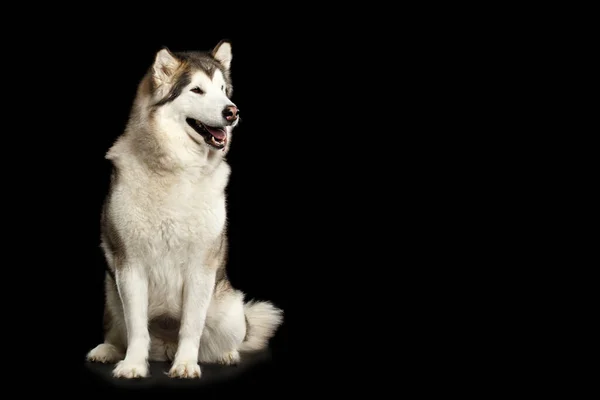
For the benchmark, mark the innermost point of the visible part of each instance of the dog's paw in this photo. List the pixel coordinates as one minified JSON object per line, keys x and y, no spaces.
{"x":230,"y":358}
{"x":104,"y":353}
{"x":130,"y":370}
{"x":185,"y":370}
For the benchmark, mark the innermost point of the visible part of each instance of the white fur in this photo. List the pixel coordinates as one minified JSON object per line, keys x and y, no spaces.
{"x":263,"y":318}
{"x":168,"y":222}
{"x":167,"y":233}
{"x":105,"y":353}
{"x":164,"y":66}
{"x":207,"y":107}
{"x":132,"y":284}
{"x":223,"y":53}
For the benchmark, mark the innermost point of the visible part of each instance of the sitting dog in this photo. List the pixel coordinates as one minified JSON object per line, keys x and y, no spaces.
{"x":164,"y":227}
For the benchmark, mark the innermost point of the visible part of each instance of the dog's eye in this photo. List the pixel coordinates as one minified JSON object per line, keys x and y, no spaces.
{"x":198,"y":90}
{"x":222,"y":87}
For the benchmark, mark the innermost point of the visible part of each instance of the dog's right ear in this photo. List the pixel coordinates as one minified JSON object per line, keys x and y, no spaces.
{"x":165,"y":65}
{"x":222,"y":53}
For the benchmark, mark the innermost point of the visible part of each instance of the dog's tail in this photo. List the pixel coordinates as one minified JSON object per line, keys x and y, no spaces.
{"x":262,"y":320}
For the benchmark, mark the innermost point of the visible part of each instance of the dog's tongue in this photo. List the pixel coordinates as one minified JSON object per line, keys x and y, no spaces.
{"x":218,"y":133}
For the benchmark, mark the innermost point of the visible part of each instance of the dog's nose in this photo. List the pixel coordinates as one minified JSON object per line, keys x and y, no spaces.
{"x":231,"y":113}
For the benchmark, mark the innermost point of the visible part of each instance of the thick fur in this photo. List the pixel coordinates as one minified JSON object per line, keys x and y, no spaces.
{"x":164,"y":229}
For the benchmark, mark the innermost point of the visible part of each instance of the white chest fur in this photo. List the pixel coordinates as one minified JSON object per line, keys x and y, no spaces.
{"x":167,"y":226}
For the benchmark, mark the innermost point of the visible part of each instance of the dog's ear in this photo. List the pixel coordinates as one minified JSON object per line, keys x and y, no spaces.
{"x":222,"y":53}
{"x":165,"y":65}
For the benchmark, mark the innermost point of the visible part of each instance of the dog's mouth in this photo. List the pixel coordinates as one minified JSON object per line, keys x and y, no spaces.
{"x":215,"y":137}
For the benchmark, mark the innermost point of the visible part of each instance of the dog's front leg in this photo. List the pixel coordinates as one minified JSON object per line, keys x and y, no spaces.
{"x":197,"y":293}
{"x":133,"y":291}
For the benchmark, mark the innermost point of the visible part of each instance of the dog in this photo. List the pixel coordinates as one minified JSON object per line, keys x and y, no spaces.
{"x":164,"y":227}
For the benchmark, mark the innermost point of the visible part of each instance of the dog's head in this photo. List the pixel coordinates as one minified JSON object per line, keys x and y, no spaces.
{"x":194,"y":89}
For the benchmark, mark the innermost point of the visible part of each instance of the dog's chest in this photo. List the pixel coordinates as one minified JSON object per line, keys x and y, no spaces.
{"x":176,"y":229}
{"x":188,"y":214}
{"x":171,"y":220}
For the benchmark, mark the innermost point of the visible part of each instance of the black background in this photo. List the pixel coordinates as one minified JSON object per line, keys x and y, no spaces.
{"x":352,"y":197}
{"x":282,"y":182}
{"x":306,"y":199}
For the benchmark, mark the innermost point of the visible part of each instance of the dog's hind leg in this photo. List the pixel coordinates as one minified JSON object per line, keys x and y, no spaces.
{"x":225,"y":327}
{"x":234,"y":326}
{"x":164,"y":332}
{"x":161,"y":350}
{"x":113,"y":348}
{"x":105,"y":353}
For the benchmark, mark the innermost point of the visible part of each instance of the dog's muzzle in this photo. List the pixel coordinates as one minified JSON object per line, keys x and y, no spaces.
{"x":213,"y":136}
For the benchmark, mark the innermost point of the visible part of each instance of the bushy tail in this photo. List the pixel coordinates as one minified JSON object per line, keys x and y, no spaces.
{"x":262,"y":320}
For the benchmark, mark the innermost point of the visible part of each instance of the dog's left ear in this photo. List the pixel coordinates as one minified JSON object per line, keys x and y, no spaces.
{"x":222,"y":53}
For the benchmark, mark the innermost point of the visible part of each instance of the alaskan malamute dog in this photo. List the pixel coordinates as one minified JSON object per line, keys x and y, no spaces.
{"x":164,"y":227}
